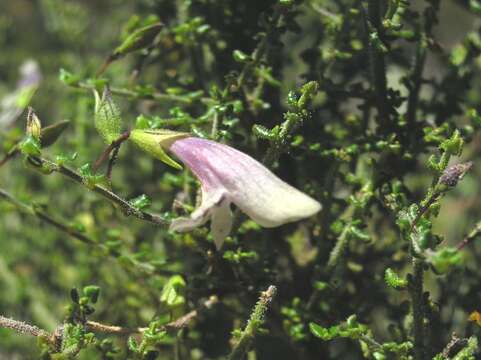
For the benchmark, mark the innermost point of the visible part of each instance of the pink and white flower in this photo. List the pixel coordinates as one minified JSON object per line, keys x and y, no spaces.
{"x":228,"y":176}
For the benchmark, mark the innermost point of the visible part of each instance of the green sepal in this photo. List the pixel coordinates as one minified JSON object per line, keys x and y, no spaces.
{"x":51,"y":133}
{"x":155,"y":141}
{"x":139,"y":39}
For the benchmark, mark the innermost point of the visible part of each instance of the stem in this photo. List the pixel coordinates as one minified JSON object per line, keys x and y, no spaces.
{"x":126,"y":206}
{"x":255,"y":322}
{"x":338,"y":250}
{"x":180,"y":323}
{"x":133,"y":94}
{"x":261,"y":47}
{"x":22,"y":327}
{"x":416,"y":291}
{"x":112,"y":147}
{"x":377,"y":62}
{"x":419,"y":60}
{"x":30,"y":209}
{"x":473,"y":234}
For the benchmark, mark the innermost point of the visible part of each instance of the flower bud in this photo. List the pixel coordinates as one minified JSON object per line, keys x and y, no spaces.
{"x":34,"y":126}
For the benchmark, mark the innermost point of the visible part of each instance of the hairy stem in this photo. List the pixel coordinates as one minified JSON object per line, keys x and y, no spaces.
{"x":127,"y":208}
{"x":255,"y":322}
{"x":417,"y":303}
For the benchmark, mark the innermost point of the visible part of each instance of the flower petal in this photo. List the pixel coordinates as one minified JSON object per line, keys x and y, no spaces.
{"x":201,"y":215}
{"x":259,"y":193}
{"x":221,"y":222}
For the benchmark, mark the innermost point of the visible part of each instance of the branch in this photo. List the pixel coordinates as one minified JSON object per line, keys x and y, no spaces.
{"x":417,"y":303}
{"x":253,"y":325}
{"x":376,"y":60}
{"x":178,"y":324}
{"x":473,"y":234}
{"x":32,"y":210}
{"x":27,"y":329}
{"x":22,"y":327}
{"x":127,"y":208}
{"x":135,"y":95}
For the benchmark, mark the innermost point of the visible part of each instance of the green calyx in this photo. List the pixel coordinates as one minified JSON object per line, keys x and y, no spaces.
{"x":155,"y":141}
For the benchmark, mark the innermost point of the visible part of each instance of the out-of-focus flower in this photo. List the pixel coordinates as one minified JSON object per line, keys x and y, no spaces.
{"x":12,"y":105}
{"x":229,"y":176}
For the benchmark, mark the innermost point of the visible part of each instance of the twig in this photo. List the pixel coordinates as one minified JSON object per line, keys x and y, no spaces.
{"x":135,"y":95}
{"x":338,"y":250}
{"x":261,"y":47}
{"x":376,"y":61}
{"x":22,"y":327}
{"x":417,"y":303}
{"x":126,"y":206}
{"x":473,"y":234}
{"x":256,"y":320}
{"x":27,"y":329}
{"x":416,"y":81}
{"x":112,"y":147}
{"x":30,"y":209}
{"x":178,"y":324}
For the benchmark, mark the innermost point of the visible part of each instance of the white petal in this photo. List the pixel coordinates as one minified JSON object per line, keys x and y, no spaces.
{"x":259,"y":193}
{"x":221,"y":222}
{"x":200,"y":215}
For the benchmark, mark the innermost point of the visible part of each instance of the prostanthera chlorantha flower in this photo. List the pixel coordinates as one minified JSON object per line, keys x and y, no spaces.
{"x":227,"y":176}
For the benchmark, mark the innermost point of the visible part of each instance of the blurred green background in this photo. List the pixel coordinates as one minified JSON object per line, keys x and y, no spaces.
{"x":39,"y":265}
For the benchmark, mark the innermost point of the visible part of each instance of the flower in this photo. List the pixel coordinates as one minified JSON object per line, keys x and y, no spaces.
{"x":12,"y":105}
{"x":228,"y":176}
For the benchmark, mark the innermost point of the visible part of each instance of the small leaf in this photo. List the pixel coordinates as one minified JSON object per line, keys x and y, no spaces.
{"x":172,"y":291}
{"x":445,"y":259}
{"x":107,"y":116}
{"x":51,"y":133}
{"x":240,"y":56}
{"x":394,"y":280}
{"x":68,"y":78}
{"x":141,"y":202}
{"x":92,"y":292}
{"x":139,"y":39}
{"x":322,"y":332}
{"x":30,"y":146}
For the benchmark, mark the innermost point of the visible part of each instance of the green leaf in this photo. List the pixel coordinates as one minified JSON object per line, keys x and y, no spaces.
{"x":394,"y":280}
{"x":30,"y":146}
{"x":141,"y":202}
{"x":107,"y":116}
{"x":92,"y":292}
{"x":172,"y":293}
{"x":139,"y":39}
{"x":322,"y":332}
{"x":68,"y":78}
{"x":50,"y":134}
{"x":445,"y":259}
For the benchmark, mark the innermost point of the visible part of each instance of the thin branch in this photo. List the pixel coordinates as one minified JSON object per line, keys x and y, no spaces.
{"x":22,"y":327}
{"x":376,"y":60}
{"x":135,"y":95}
{"x":417,"y":303}
{"x":256,"y":320}
{"x":112,"y":147}
{"x":127,"y":208}
{"x":178,"y":324}
{"x":27,"y":329}
{"x":32,"y":210}
{"x":473,"y":234}
{"x":261,"y":47}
